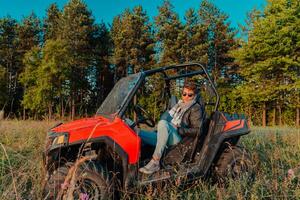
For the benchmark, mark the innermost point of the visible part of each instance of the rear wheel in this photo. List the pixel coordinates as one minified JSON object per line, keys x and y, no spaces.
{"x":233,"y":163}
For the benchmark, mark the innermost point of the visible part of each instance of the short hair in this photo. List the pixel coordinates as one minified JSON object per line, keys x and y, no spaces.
{"x":190,"y":85}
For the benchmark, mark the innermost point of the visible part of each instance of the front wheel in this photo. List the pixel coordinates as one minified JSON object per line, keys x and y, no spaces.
{"x":89,"y":183}
{"x":233,"y":163}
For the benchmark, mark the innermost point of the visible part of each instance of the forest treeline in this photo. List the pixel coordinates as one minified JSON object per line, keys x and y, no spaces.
{"x":65,"y":64}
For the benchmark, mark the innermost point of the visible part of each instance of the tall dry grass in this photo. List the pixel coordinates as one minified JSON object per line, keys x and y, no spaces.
{"x":274,"y":151}
{"x":21,"y":158}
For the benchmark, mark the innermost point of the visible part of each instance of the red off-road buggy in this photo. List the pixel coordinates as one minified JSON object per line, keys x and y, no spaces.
{"x":93,"y":158}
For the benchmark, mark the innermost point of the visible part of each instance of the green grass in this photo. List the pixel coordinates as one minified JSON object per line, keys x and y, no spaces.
{"x":273,"y":150}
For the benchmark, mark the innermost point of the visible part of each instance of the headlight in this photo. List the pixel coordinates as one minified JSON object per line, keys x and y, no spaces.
{"x":60,"y":139}
{"x":56,"y":140}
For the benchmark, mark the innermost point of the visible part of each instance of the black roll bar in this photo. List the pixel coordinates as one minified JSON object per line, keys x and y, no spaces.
{"x":167,"y":78}
{"x":162,"y":69}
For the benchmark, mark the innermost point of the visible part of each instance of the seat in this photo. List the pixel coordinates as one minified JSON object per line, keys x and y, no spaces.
{"x":178,"y":153}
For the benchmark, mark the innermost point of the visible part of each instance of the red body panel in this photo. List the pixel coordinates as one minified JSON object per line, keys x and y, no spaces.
{"x":234,"y":125}
{"x":117,"y":130}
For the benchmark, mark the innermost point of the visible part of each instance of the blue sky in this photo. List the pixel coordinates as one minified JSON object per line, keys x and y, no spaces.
{"x":106,"y":10}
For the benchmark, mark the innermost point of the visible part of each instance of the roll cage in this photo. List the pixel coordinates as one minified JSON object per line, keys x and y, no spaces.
{"x":181,"y":71}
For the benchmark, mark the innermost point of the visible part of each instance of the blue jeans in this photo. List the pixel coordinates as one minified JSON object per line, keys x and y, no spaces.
{"x":166,"y":135}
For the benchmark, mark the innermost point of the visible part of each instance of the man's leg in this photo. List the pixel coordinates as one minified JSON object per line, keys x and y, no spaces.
{"x":148,"y":137}
{"x":166,"y":135}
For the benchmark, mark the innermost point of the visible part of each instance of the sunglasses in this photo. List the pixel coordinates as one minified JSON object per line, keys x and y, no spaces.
{"x":189,"y":94}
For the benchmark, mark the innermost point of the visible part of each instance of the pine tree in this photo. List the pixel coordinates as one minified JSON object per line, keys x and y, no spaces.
{"x":29,"y":78}
{"x":29,"y":36}
{"x":76,"y":29}
{"x":3,"y":89}
{"x":51,"y":22}
{"x":133,"y":42}
{"x":119,"y":49}
{"x":193,"y":39}
{"x":168,"y":28}
{"x":221,"y":41}
{"x":8,"y":62}
{"x":44,"y":78}
{"x":29,"y":33}
{"x":101,"y":74}
{"x":142,"y":50}
{"x":53,"y":73}
{"x":269,"y":59}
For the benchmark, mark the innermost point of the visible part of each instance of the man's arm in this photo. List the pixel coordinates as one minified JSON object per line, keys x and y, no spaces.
{"x":195,"y":119}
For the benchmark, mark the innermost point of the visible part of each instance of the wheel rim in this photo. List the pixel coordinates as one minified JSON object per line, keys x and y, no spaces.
{"x":239,"y":167}
{"x":86,"y":189}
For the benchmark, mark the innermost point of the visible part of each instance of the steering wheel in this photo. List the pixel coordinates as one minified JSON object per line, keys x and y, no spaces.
{"x":143,"y":117}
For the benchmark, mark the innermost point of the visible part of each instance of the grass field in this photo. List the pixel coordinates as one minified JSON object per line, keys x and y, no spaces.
{"x":274,"y":151}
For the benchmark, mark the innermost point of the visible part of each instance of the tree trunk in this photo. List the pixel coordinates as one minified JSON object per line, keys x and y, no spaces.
{"x":70,"y":105}
{"x":61,"y":102}
{"x":49,"y":111}
{"x":73,"y":108}
{"x":297,"y":116}
{"x":62,"y":109}
{"x":73,"y":92}
{"x":61,"y":105}
{"x":250,"y":115}
{"x":274,"y":116}
{"x":24,"y":114}
{"x":1,"y":115}
{"x":279,"y":113}
{"x":80,"y":112}
{"x":264,"y":115}
{"x":102,"y":79}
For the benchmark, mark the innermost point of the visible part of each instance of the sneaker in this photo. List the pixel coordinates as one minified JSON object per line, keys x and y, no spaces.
{"x":151,"y":167}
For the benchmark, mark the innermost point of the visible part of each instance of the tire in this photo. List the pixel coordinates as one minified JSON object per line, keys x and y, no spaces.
{"x":90,"y":183}
{"x":233,"y":163}
{"x":53,"y":184}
